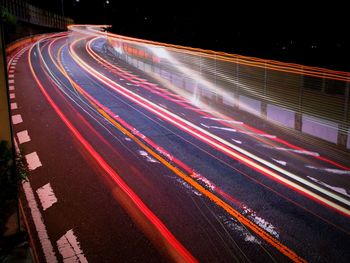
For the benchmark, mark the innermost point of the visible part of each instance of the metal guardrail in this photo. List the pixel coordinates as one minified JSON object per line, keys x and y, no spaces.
{"x":28,"y":13}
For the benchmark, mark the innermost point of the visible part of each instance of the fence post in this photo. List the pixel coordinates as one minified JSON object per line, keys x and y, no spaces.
{"x":344,"y":125}
{"x":264,"y":101}
{"x":298,"y":125}
{"x":236,"y":95}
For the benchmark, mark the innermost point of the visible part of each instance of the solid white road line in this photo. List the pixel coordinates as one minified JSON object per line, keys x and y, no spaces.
{"x":12,"y":96}
{"x":70,"y":249}
{"x":13,"y":106}
{"x":17,"y":119}
{"x":39,"y":224}
{"x":23,"y":137}
{"x":46,"y":196}
{"x":38,"y":219}
{"x":33,"y":161}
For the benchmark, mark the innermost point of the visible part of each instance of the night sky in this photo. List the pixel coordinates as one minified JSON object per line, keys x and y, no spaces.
{"x":315,"y":35}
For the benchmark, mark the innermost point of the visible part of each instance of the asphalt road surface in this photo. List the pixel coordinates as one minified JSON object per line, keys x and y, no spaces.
{"x":125,"y":170}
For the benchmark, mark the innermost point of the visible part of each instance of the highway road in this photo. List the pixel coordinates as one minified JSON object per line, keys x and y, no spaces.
{"x":123,"y":169}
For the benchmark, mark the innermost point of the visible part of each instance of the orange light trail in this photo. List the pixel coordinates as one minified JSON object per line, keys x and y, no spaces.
{"x":253,"y":129}
{"x":120,"y":125}
{"x":217,"y":142}
{"x":181,"y":251}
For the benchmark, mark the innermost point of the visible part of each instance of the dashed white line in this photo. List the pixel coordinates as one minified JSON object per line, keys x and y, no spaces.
{"x":219,"y":128}
{"x":148,"y":158}
{"x":11,"y":87}
{"x":23,"y":137}
{"x":11,"y":76}
{"x":33,"y":161}
{"x":11,"y":81}
{"x":11,"y":71}
{"x":223,"y":120}
{"x":334,"y":188}
{"x":132,"y":84}
{"x":305,"y":152}
{"x":70,"y":249}
{"x":234,"y":130}
{"x":14,"y":106}
{"x":46,"y":196}
{"x":12,"y":96}
{"x":236,"y":141}
{"x":280,"y":162}
{"x":17,"y":119}
{"x":38,"y":220}
{"x":39,"y":224}
{"x":330,"y":170}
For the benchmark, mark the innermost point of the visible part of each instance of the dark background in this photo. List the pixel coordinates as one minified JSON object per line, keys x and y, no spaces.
{"x":309,"y":33}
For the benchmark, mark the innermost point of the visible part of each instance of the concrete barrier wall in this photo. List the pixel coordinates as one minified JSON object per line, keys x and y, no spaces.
{"x":281,"y":115}
{"x":250,"y":105}
{"x":320,"y":128}
{"x":311,"y":125}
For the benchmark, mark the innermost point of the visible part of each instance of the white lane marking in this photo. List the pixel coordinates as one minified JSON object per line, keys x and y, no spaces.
{"x":223,"y":120}
{"x":219,"y":128}
{"x":23,"y":137}
{"x":12,"y":96}
{"x":11,"y":76}
{"x":12,"y":67}
{"x":162,"y":105}
{"x":280,"y":162}
{"x":292,"y":150}
{"x":236,"y":226}
{"x":33,"y":161}
{"x":188,"y":186}
{"x":11,"y":71}
{"x":38,"y":219}
{"x":14,"y":106}
{"x":132,"y":84}
{"x":121,"y":79}
{"x":39,"y":224}
{"x":259,"y":134}
{"x":11,"y":87}
{"x":330,"y":170}
{"x":11,"y":81}
{"x":334,"y":188}
{"x":17,"y":119}
{"x":234,"y":130}
{"x":127,"y":139}
{"x":267,"y":226}
{"x":70,"y":249}
{"x":214,"y":140}
{"x":236,"y":141}
{"x":46,"y":196}
{"x":148,"y":158}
